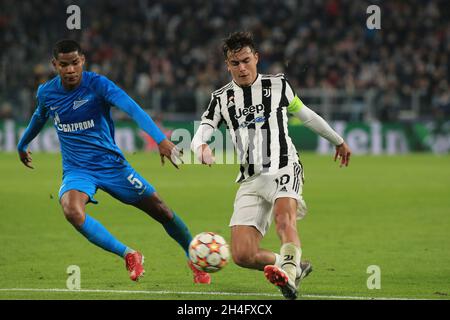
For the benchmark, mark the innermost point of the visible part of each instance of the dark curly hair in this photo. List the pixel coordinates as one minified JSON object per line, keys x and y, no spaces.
{"x":238,"y":40}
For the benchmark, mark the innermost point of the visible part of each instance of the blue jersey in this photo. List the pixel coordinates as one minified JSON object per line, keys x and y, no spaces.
{"x":82,"y":119}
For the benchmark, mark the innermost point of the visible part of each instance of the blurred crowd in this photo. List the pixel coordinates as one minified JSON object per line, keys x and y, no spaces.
{"x":167,"y":54}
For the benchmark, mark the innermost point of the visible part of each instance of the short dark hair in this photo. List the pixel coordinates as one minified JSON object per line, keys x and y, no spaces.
{"x":238,"y":40}
{"x":66,"y":46}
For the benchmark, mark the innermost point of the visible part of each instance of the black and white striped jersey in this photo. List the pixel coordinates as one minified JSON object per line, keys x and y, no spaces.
{"x":257,"y":119}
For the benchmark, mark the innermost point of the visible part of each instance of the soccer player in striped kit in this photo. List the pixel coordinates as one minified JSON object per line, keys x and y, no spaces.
{"x":255,"y":109}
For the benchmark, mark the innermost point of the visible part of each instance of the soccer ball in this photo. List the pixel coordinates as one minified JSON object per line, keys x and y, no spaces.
{"x":209,"y":252}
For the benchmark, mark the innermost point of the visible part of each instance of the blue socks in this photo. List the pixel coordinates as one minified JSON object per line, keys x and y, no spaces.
{"x":98,"y":235}
{"x":178,"y":231}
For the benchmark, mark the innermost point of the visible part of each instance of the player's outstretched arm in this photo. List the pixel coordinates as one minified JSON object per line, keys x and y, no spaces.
{"x":34,"y":127}
{"x":119,"y":98}
{"x":166,"y":147}
{"x":317,"y":124}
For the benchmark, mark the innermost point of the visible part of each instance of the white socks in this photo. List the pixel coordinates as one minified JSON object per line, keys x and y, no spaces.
{"x":278,"y":260}
{"x":290,"y":256}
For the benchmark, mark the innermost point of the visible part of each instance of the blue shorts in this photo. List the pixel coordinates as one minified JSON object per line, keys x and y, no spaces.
{"x":123,"y":183}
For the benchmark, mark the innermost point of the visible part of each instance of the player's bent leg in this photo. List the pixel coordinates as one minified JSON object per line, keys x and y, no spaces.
{"x":285,"y":214}
{"x":285,"y":217}
{"x":174,"y":226}
{"x":245,"y":249}
{"x":155,"y":208}
{"x":73,"y":203}
{"x":172,"y":223}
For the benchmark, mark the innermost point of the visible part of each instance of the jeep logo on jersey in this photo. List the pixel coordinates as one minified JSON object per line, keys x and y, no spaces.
{"x":252,"y":109}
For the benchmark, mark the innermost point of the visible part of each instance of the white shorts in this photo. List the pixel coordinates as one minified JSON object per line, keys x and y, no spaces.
{"x":256,"y":196}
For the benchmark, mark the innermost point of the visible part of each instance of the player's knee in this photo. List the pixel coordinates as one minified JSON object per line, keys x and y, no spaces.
{"x":74,"y":214}
{"x":243,"y":259}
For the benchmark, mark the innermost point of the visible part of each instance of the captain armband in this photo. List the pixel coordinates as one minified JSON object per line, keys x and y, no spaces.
{"x":295,"y":105}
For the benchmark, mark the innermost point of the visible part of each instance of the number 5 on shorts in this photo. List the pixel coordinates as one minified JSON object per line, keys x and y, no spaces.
{"x":135,"y":181}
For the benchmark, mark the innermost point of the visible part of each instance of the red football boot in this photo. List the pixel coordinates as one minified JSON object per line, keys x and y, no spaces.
{"x":134,"y":263}
{"x":279,"y":277}
{"x":199,"y":276}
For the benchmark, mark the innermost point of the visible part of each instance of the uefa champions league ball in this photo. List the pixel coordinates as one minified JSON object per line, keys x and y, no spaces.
{"x":209,"y":252}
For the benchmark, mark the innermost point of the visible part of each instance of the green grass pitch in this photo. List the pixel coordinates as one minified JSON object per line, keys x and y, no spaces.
{"x":388,"y":211}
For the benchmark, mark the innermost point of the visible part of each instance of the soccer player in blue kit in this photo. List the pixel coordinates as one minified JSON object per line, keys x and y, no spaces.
{"x":80,"y":104}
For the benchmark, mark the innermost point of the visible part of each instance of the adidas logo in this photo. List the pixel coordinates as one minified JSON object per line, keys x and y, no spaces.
{"x":283,"y":189}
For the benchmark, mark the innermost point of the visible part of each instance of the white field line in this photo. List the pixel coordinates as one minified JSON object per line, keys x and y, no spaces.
{"x":212,"y":293}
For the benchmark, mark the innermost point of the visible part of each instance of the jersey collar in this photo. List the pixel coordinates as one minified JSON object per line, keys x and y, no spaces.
{"x":60,"y":85}
{"x":258,"y":78}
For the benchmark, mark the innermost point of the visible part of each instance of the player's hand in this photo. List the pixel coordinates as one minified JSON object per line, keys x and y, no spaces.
{"x":205,"y":155}
{"x":343,"y":152}
{"x":170,"y":151}
{"x":25,"y":157}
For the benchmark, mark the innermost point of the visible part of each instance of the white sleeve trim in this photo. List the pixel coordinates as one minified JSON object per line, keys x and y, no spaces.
{"x":317,"y":124}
